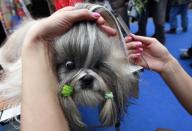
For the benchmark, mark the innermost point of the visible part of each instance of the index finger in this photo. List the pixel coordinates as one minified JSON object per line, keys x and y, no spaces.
{"x":144,"y":40}
{"x":68,"y":8}
{"x":109,"y":30}
{"x":83,"y":14}
{"x":128,"y":39}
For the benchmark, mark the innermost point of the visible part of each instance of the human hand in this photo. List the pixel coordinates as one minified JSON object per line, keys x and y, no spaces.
{"x":62,"y":20}
{"x":147,"y":52}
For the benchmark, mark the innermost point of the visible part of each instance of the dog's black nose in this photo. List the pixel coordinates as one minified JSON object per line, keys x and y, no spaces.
{"x":87,"y":79}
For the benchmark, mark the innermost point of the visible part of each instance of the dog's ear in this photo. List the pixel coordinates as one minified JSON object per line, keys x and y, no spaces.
{"x":108,"y":113}
{"x":71,"y":112}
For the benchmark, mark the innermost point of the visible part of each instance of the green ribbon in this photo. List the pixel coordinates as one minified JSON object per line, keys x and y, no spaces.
{"x":66,"y":90}
{"x":109,"y":95}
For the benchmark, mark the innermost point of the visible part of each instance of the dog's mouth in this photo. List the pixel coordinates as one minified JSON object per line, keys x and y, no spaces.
{"x":88,"y":98}
{"x":89,"y":92}
{"x":87,"y":88}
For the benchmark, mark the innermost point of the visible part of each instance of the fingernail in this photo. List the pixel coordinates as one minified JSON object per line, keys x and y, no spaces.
{"x":140,"y":49}
{"x":129,"y":38}
{"x":132,"y":34}
{"x":138,"y":54}
{"x":114,"y":32}
{"x":96,"y":15}
{"x":139,"y":43}
{"x":136,"y":57}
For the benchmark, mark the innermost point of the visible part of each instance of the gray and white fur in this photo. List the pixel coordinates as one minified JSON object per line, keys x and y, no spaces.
{"x":91,"y":62}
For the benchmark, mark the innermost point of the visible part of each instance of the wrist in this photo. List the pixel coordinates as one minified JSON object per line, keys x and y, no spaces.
{"x":34,"y":36}
{"x":169,"y":67}
{"x":37,"y":30}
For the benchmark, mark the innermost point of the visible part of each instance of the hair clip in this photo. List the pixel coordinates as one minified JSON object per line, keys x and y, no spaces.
{"x":66,"y":90}
{"x":109,"y":95}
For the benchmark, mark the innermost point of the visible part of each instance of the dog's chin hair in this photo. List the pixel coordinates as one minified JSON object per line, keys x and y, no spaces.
{"x":92,"y":96}
{"x":108,"y":114}
{"x":88,"y":98}
{"x":71,"y":112}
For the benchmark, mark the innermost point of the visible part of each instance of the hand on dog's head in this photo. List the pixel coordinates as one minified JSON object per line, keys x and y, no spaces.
{"x":93,"y":64}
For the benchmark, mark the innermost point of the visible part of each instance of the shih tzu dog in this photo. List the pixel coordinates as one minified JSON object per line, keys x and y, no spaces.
{"x":91,"y":67}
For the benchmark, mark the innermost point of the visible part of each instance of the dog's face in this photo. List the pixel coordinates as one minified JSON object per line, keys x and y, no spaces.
{"x":93,"y":64}
{"x":89,"y":78}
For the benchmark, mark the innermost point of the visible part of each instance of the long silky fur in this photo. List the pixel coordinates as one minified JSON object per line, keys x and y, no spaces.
{"x":93,"y":53}
{"x":108,"y":114}
{"x":70,"y":108}
{"x":10,"y":60}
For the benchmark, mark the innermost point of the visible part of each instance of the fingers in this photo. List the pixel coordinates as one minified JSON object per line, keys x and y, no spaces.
{"x":135,"y":49}
{"x":133,"y":45}
{"x":104,"y":27}
{"x":110,"y":31}
{"x":101,"y":21}
{"x":83,"y":14}
{"x":128,"y":39}
{"x":144,"y":40}
{"x":73,"y":15}
{"x":135,"y":52}
{"x":134,"y":58}
{"x":68,"y":8}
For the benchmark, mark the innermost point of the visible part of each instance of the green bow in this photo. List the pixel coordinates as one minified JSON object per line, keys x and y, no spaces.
{"x":66,"y":90}
{"x":109,"y":95}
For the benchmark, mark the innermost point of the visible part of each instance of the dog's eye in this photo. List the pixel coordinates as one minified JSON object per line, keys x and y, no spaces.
{"x":70,"y":65}
{"x":98,"y":65}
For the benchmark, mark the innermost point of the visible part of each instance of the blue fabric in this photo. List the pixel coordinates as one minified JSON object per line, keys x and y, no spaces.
{"x":156,"y":107}
{"x":174,"y":11}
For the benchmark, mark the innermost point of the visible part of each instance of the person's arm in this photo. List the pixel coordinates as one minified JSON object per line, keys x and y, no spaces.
{"x":41,"y":110}
{"x":179,"y":82}
{"x":150,"y":53}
